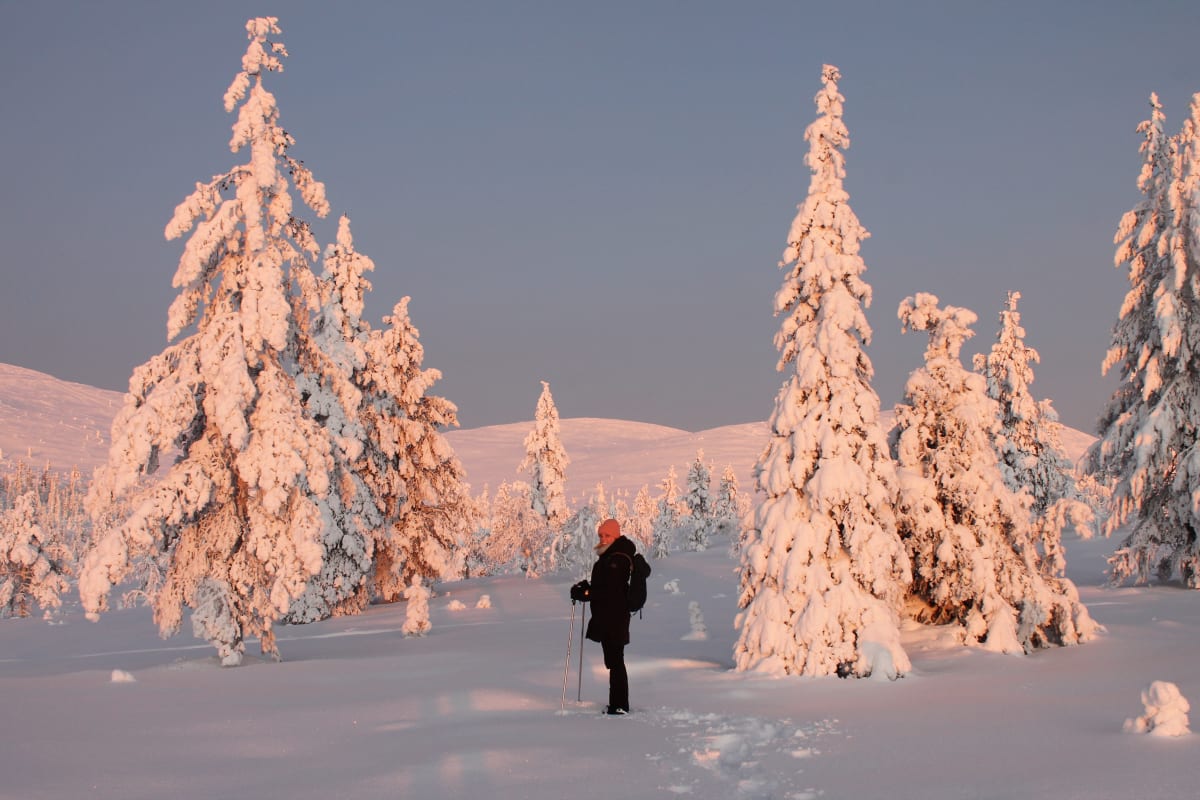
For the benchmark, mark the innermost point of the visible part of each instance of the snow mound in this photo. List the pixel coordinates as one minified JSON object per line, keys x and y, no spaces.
{"x":1166,"y":711}
{"x":699,"y":630}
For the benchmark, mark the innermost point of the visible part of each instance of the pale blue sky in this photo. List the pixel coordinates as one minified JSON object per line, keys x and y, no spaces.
{"x":596,"y":194}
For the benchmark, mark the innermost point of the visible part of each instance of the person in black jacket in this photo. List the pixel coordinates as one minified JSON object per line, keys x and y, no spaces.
{"x":609,"y":624}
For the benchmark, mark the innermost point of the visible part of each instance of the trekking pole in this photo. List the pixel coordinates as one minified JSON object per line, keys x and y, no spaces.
{"x":579,"y":692}
{"x":567,"y":666}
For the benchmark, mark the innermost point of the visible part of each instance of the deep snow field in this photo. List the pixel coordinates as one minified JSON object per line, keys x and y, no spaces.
{"x":475,"y":708}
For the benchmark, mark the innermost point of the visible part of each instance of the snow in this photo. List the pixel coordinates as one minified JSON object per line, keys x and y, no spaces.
{"x":621,"y":454}
{"x":1166,"y":711}
{"x":470,"y":710}
{"x":47,"y":421}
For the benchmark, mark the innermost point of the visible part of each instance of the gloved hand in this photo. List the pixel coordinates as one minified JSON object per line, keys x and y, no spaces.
{"x":581,"y":592}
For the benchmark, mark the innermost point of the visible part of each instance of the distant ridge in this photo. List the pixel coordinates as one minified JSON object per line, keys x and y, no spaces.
{"x":47,"y":421}
{"x":620,"y":454}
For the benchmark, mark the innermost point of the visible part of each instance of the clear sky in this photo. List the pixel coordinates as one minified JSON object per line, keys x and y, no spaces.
{"x":596,"y":194}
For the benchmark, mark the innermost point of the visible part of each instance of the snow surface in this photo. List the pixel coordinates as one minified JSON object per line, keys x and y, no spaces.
{"x":47,"y":421}
{"x":472,"y":709}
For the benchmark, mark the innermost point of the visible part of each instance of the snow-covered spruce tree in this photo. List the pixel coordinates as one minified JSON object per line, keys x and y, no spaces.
{"x":58,"y":508}
{"x":618,"y":509}
{"x":34,"y":566}
{"x":666,"y":517}
{"x":823,"y":572}
{"x":1147,"y":445}
{"x":238,"y":519}
{"x":974,"y":550}
{"x":699,"y":504}
{"x":432,"y":515}
{"x":546,"y":461}
{"x":416,"y":613}
{"x":572,"y":547}
{"x":329,"y":350}
{"x":476,"y":563}
{"x":640,"y":527}
{"x":1136,"y":345}
{"x":1029,"y":441}
{"x":517,"y":542}
{"x":728,"y":509}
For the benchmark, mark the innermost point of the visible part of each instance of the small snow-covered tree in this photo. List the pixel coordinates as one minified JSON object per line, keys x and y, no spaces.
{"x":1148,"y":434}
{"x":974,"y":550}
{"x":34,"y":566}
{"x":239,"y":518}
{"x":641,"y":521}
{"x":416,"y":613}
{"x":618,"y":509}
{"x":518,"y":539}
{"x":573,"y":546}
{"x":666,"y":518}
{"x":477,"y":563}
{"x":699,"y":504}
{"x":728,"y":509}
{"x":823,"y":571}
{"x":58,"y":508}
{"x":699,"y":631}
{"x":547,"y":462}
{"x":1029,"y":441}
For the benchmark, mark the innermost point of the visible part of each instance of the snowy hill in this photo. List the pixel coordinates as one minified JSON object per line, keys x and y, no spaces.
{"x":622,"y":455}
{"x":44,"y":420}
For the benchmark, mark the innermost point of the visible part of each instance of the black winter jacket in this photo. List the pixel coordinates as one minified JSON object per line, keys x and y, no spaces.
{"x":609,"y":593}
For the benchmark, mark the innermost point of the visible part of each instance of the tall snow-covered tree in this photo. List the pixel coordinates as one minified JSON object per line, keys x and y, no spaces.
{"x":239,"y":518}
{"x":823,"y":572}
{"x":1029,"y":441}
{"x":1147,"y":445}
{"x":34,"y":565}
{"x":1135,"y":351}
{"x":974,"y":550}
{"x":546,"y":460}
{"x":429,"y":528}
{"x":699,"y":503}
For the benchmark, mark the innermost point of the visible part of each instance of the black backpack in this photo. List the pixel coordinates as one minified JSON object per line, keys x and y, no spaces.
{"x":639,"y":571}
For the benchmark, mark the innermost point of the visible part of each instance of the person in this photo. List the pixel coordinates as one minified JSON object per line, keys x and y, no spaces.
{"x":609,"y":624}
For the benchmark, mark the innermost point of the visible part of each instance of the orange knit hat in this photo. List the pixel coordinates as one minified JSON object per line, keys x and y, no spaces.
{"x":610,"y":527}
